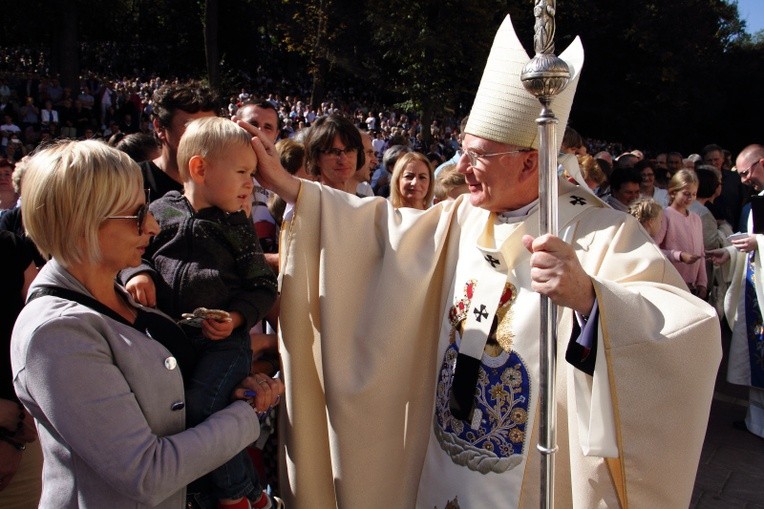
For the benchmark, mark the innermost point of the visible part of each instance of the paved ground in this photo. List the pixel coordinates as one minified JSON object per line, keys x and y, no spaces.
{"x":731,"y":471}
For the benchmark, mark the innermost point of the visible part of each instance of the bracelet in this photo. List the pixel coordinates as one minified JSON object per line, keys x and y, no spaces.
{"x":17,"y":445}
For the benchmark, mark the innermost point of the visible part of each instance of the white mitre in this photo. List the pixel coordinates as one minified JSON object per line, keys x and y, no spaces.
{"x":504,"y":111}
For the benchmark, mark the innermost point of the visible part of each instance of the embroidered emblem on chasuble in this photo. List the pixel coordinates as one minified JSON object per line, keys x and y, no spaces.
{"x":494,"y":439}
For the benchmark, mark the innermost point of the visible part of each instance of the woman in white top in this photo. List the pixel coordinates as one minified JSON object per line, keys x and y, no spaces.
{"x":647,"y":187}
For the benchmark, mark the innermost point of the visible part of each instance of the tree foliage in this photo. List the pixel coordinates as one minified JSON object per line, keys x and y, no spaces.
{"x":434,"y":64}
{"x":667,"y":74}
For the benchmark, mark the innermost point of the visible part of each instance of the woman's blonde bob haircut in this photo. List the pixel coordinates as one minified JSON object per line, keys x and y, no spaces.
{"x":210,"y":138}
{"x":400,"y":165}
{"x":69,"y":190}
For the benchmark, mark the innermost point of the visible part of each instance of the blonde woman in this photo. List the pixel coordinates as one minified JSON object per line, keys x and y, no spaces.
{"x":99,"y":372}
{"x":681,"y":233}
{"x":412,"y":182}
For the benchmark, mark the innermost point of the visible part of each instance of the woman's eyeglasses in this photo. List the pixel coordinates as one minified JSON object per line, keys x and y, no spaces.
{"x":140,"y":215}
{"x":337,"y":152}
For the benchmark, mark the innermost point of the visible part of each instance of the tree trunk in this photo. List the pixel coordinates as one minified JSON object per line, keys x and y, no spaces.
{"x":65,"y":48}
{"x":211,"y":47}
{"x":318,"y":90}
{"x":426,"y":122}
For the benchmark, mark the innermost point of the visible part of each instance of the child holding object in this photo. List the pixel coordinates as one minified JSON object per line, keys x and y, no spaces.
{"x":207,"y":255}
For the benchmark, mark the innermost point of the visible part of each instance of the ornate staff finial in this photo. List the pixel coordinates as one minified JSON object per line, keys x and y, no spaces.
{"x":545,"y":75}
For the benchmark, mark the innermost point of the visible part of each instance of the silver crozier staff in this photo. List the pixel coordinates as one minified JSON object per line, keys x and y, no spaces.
{"x":545,"y":76}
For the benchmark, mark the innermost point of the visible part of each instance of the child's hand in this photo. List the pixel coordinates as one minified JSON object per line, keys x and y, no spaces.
{"x":686,"y":257}
{"x":141,"y":287}
{"x":216,"y":330}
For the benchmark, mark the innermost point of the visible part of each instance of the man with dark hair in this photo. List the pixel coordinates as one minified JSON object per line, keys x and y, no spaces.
{"x":674,"y":162}
{"x":624,"y":188}
{"x":729,"y":205}
{"x":265,"y":117}
{"x":714,"y":155}
{"x":262,"y":115}
{"x":174,"y":106}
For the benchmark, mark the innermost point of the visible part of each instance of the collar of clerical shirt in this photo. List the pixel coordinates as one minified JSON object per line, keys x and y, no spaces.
{"x":514,"y":216}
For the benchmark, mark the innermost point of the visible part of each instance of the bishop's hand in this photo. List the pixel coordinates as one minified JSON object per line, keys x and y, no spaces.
{"x":270,"y":174}
{"x":557,"y":273}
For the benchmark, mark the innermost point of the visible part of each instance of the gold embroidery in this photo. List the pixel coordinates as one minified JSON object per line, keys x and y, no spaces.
{"x":504,"y":333}
{"x":501,"y":337}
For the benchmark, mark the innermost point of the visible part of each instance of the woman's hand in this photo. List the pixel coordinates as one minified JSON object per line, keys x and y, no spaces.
{"x":260,"y":391}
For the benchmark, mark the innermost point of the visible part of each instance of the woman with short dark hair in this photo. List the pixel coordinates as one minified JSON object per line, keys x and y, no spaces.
{"x":334,"y":152}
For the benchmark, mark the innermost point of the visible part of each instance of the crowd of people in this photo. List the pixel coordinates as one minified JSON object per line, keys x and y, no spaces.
{"x":147,"y":222}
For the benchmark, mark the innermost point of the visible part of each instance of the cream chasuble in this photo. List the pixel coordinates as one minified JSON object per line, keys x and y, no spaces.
{"x":374,"y":303}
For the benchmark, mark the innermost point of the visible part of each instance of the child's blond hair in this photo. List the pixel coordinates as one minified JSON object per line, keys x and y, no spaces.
{"x":448,"y":179}
{"x":209,"y":137}
{"x":645,"y":210}
{"x":591,"y":171}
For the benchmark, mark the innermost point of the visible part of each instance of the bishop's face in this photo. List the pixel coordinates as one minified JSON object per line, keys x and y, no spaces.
{"x":500,"y":177}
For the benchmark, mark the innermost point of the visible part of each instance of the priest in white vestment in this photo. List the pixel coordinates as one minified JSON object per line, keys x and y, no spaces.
{"x":742,"y":303}
{"x":410,"y":338}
